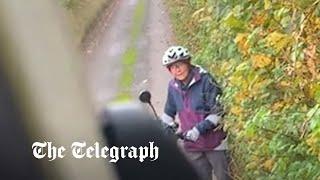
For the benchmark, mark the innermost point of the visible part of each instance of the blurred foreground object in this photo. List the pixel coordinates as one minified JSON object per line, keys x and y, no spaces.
{"x":128,"y":125}
{"x":43,"y":97}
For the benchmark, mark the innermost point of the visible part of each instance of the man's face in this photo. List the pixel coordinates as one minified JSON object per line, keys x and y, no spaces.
{"x":179,"y":70}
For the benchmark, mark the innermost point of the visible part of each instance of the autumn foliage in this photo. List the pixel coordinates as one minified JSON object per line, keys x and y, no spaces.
{"x":266,"y":55}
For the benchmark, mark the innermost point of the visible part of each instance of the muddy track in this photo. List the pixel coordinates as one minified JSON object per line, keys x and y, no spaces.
{"x":104,"y":54}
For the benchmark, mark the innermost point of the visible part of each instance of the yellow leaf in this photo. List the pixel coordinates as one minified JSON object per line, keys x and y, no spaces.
{"x":257,"y":86}
{"x":317,"y":23}
{"x":268,"y":165}
{"x":207,"y":18}
{"x":278,"y":40}
{"x":210,"y":9}
{"x":238,"y":81}
{"x":278,"y":106}
{"x":241,"y":41}
{"x":236,"y":110}
{"x":224,"y":68}
{"x":197,"y":12}
{"x":298,"y":65}
{"x":314,"y":143}
{"x":241,"y":37}
{"x":251,"y":165}
{"x":260,"y":61}
{"x":242,"y":66}
{"x":235,"y":80}
{"x":233,"y":22}
{"x":267,"y":4}
{"x":258,"y":20}
{"x":240,"y":96}
{"x":314,"y":91}
{"x":285,"y":84}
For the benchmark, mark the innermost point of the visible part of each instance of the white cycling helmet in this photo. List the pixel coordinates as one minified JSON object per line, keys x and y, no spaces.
{"x":174,"y":54}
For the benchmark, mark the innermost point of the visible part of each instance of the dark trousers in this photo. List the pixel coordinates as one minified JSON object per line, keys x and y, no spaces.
{"x":211,"y":165}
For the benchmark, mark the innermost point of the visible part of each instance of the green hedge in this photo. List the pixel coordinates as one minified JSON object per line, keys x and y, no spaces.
{"x":266,"y":56}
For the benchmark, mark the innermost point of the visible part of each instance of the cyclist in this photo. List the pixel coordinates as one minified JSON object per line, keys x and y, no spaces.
{"x":193,"y":96}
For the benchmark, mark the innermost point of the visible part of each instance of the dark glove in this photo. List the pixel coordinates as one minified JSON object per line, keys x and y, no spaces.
{"x":169,"y":129}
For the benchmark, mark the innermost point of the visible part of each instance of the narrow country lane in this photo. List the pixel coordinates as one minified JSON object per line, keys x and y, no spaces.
{"x":122,"y":33}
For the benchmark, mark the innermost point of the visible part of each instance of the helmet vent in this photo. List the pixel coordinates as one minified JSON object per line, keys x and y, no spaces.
{"x":173,"y":56}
